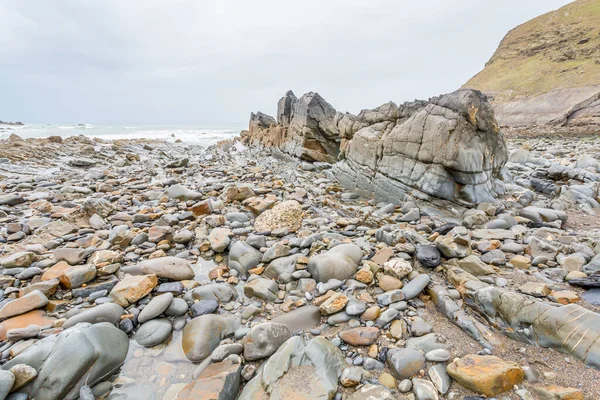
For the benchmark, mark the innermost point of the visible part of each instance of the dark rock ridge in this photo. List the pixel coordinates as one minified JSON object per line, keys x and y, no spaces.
{"x":305,"y":127}
{"x":449,"y":147}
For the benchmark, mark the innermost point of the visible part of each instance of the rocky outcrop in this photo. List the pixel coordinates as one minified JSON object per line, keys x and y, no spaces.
{"x":544,"y":76}
{"x":570,"y":329}
{"x":449,"y":147}
{"x":305,"y":127}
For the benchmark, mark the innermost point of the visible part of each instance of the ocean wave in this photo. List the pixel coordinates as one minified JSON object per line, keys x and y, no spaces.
{"x":191,"y":135}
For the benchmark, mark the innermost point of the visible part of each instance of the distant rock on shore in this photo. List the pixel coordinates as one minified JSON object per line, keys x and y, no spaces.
{"x":449,"y":147}
{"x":545,"y":74}
{"x":18,"y":123}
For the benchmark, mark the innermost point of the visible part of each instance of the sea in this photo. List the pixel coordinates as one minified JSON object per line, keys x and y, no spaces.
{"x":204,"y":135}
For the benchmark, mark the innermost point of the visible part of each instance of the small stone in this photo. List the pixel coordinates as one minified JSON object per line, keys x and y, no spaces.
{"x":362,"y":336}
{"x":133,"y":288}
{"x":23,"y":375}
{"x":387,"y":380}
{"x":558,"y":393}
{"x":351,"y":376}
{"x":564,"y":296}
{"x":334,"y":304}
{"x":405,"y":362}
{"x":536,"y":289}
{"x":487,"y":375}
{"x":520,"y":262}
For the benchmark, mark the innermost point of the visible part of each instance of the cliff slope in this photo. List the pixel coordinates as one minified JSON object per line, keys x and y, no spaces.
{"x":545,"y":73}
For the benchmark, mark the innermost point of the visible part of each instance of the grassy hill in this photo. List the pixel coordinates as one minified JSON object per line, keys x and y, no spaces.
{"x":560,"y":49}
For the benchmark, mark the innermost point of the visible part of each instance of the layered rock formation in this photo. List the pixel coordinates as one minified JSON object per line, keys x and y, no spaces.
{"x":545,"y":74}
{"x":305,"y":128}
{"x":570,"y":329}
{"x":448,"y":148}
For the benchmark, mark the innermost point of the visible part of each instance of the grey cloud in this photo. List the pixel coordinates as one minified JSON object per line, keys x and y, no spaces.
{"x":214,"y":61}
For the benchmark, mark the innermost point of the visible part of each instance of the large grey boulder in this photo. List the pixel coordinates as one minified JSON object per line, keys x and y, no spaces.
{"x":7,"y":380}
{"x":264,"y":339}
{"x":157,"y":306}
{"x":282,"y":268}
{"x":264,"y":289}
{"x":243,"y":257}
{"x":405,"y":362}
{"x":180,"y":192}
{"x":153,"y":332}
{"x":341,"y":262}
{"x":202,"y":334}
{"x":450,"y":149}
{"x":301,"y":318}
{"x":82,"y":355}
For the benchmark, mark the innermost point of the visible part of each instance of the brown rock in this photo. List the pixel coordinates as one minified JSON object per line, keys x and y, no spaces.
{"x":158,"y":233}
{"x":537,"y":289}
{"x":558,"y":393}
{"x":36,"y":317}
{"x":133,"y":288}
{"x":235,"y":193}
{"x":387,"y":380}
{"x":55,"y":271}
{"x":387,"y":282}
{"x":322,"y":299}
{"x":398,"y":329}
{"x":23,"y":375}
{"x":520,"y":262}
{"x":77,"y":275}
{"x":334,"y":304}
{"x":361,"y":336}
{"x":259,"y":205}
{"x":371,"y":314}
{"x":47,"y":287}
{"x":564,"y":296}
{"x":383,"y":255}
{"x":57,"y":305}
{"x":364,"y":275}
{"x":202,"y":208}
{"x":30,"y":301}
{"x":489,"y":375}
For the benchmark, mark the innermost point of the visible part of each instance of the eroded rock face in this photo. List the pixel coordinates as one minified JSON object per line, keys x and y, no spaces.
{"x":449,"y":147}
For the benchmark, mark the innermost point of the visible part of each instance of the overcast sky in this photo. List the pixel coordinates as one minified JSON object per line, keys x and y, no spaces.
{"x":214,"y":61}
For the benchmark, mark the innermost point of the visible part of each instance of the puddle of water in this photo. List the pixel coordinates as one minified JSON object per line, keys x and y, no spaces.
{"x":156,"y":373}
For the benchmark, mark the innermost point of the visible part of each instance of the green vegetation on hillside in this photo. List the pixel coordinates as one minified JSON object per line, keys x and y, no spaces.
{"x":560,"y":49}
